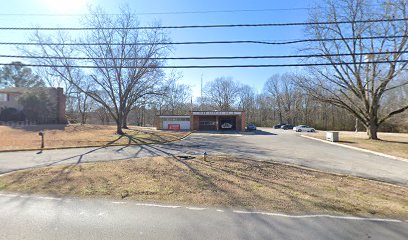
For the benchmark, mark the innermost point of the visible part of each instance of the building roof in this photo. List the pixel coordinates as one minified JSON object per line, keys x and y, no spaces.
{"x":14,"y":90}
{"x":216,"y":113}
{"x":173,"y":115}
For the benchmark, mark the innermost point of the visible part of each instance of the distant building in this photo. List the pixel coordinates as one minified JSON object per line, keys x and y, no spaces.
{"x":9,"y":99}
{"x":203,"y":121}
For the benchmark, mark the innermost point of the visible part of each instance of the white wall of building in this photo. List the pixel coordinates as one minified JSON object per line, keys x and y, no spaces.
{"x":184,"y":125}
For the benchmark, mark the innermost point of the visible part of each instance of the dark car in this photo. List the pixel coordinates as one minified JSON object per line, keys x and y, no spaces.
{"x":251,"y":127}
{"x":278,"y":126}
{"x":287,"y":126}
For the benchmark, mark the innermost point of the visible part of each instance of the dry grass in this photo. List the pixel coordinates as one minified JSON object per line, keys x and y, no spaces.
{"x":395,"y":144}
{"x":218,"y":181}
{"x":79,"y":135}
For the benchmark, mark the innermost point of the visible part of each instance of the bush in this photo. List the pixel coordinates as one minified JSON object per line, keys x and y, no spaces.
{"x":37,"y":106}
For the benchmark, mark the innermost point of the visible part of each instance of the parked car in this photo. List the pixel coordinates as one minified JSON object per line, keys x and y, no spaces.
{"x":278,"y":126}
{"x":226,"y":125}
{"x":304,"y":128}
{"x":287,"y":126}
{"x":251,"y":127}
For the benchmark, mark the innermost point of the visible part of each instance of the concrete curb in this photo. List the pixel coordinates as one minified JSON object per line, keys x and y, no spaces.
{"x":92,"y":146}
{"x":358,"y":149}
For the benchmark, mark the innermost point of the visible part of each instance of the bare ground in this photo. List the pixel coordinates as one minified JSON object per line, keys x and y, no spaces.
{"x":76,"y":135}
{"x":217,"y":181}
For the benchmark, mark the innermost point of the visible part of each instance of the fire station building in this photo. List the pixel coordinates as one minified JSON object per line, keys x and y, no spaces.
{"x":203,"y":121}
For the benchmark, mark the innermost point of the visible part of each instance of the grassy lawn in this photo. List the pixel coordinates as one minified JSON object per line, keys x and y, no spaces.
{"x":79,"y":135}
{"x":395,"y":144}
{"x":218,"y":182}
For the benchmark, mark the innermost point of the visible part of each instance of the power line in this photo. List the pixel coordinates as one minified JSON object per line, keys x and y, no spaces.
{"x":200,"y":26}
{"x":174,"y":12}
{"x":171,"y":13}
{"x":212,"y":66}
{"x":141,"y":43}
{"x":209,"y":57}
{"x":160,"y":13}
{"x":265,"y":42}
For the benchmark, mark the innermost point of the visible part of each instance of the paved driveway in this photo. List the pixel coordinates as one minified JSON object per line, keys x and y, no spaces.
{"x":267,"y":144}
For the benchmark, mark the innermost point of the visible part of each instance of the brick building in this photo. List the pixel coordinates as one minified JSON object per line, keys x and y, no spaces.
{"x":203,"y":121}
{"x":9,"y":99}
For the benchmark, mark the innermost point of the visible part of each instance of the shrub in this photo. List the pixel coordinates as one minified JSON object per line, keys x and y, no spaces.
{"x":37,"y":106}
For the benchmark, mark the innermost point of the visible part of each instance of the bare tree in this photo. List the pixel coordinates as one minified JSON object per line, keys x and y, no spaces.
{"x":177,"y":97}
{"x":285,"y":94}
{"x":247,"y":101}
{"x":222,"y":93}
{"x":273,"y":89}
{"x":122,"y":72}
{"x":53,"y":80}
{"x":103,"y":115}
{"x":359,"y":82}
{"x":85,"y":105}
{"x":397,"y":98}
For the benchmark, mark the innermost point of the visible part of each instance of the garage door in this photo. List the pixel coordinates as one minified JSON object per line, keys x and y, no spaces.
{"x":207,"y":124}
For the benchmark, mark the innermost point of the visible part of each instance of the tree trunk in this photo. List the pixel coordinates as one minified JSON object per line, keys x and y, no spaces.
{"x":83,"y":118}
{"x":280,"y":117}
{"x":119,"y":130}
{"x":124,"y":124}
{"x":124,"y":121}
{"x":372,"y":130}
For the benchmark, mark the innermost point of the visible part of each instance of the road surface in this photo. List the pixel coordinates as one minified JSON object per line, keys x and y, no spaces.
{"x":37,"y":217}
{"x":267,"y":144}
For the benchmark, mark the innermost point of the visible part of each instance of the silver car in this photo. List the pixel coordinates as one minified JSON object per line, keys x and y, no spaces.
{"x":304,"y":128}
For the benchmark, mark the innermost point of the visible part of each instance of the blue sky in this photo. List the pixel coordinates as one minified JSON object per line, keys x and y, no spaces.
{"x":253,"y":77}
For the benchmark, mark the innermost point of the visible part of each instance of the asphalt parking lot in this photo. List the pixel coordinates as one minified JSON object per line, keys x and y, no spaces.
{"x":289,"y":147}
{"x":266,"y":145}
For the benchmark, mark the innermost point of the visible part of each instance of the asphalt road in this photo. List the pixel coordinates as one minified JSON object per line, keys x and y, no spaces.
{"x":36,"y":217}
{"x":267,"y":144}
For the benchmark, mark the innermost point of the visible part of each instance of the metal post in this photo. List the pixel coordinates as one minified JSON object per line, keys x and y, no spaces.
{"x":41,"y":133}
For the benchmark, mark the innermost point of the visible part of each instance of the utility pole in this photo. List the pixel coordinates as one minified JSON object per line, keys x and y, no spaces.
{"x":201,"y":93}
{"x":191,"y":104}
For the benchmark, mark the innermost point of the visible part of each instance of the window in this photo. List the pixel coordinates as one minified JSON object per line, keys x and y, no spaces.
{"x":3,"y":97}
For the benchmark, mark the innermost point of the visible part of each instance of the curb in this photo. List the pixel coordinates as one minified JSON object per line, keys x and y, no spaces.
{"x":93,"y":146}
{"x":358,"y":149}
